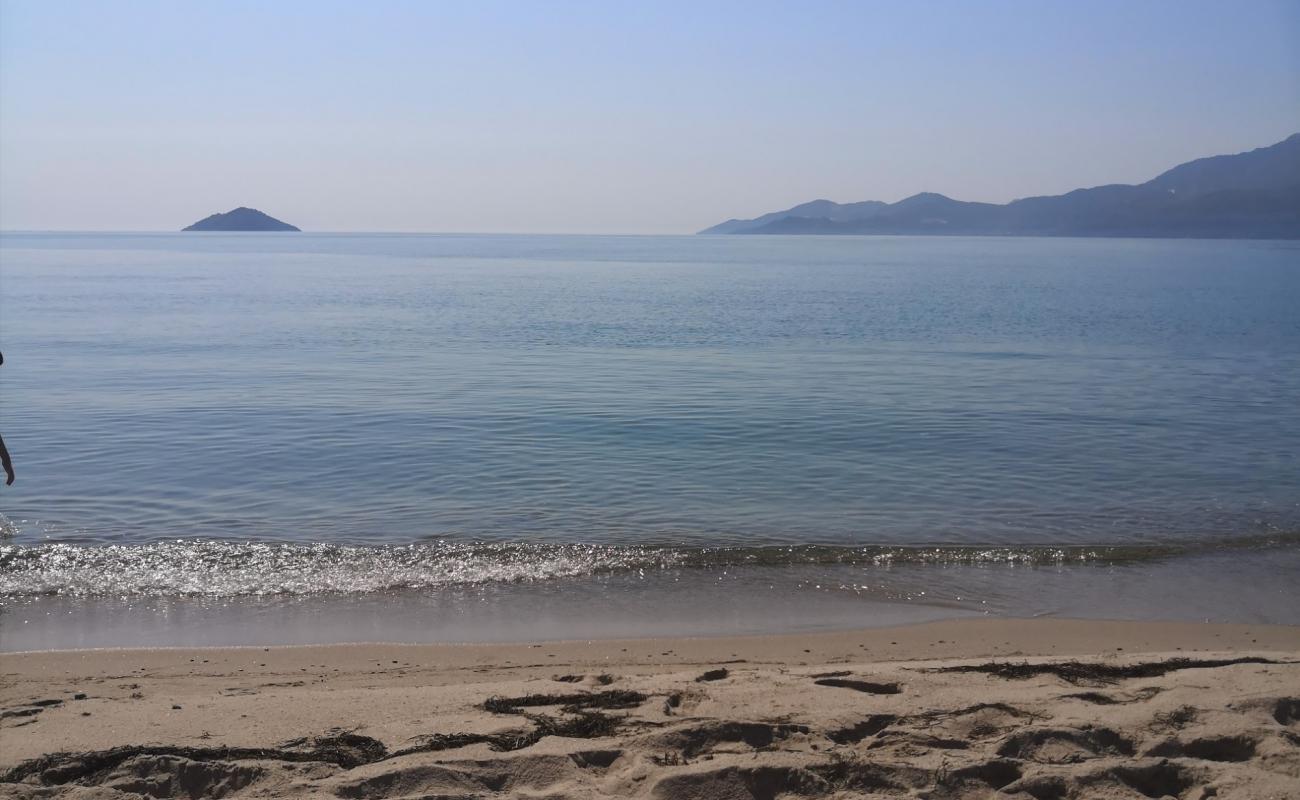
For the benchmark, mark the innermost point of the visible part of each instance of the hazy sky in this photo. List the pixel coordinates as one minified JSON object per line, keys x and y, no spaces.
{"x":611,"y":117}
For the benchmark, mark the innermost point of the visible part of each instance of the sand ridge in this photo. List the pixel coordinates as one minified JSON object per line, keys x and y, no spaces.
{"x":816,"y":715}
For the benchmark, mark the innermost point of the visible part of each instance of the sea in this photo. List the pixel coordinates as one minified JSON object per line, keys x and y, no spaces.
{"x":296,"y":438}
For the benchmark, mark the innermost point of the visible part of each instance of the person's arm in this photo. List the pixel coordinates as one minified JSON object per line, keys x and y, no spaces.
{"x":8,"y":464}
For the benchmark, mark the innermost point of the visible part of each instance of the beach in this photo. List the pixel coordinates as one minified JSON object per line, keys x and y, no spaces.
{"x":667,"y":517}
{"x":1053,"y":709}
{"x":453,"y":401}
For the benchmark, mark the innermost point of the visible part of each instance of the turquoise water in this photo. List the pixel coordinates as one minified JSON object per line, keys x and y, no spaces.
{"x":237,"y":415}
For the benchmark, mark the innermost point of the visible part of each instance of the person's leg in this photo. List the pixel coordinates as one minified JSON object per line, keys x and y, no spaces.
{"x":8,"y":464}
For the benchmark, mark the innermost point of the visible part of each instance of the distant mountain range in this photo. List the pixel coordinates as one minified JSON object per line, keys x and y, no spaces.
{"x":240,"y":219}
{"x":1252,"y":195}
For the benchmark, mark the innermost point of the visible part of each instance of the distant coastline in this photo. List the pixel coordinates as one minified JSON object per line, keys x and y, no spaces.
{"x":1251,"y":195}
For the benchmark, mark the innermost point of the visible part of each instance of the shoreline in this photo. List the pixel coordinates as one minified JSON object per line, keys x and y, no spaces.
{"x":1255,"y":587}
{"x":1083,"y":631}
{"x":818,"y":710}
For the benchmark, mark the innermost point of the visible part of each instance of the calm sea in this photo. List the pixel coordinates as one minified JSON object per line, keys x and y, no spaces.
{"x":714,"y":427}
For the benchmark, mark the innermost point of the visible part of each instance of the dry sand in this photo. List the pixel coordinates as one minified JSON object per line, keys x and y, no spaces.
{"x":854,"y":714}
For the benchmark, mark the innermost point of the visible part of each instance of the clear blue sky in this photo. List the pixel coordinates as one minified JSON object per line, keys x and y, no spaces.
{"x":611,"y":117}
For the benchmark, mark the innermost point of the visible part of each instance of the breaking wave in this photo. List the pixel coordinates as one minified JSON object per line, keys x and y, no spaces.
{"x":210,"y":568}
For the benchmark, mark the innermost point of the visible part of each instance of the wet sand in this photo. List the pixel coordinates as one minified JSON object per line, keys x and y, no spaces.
{"x":1074,"y":709}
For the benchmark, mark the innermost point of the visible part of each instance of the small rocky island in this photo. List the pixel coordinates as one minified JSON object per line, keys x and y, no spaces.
{"x":241,"y":219}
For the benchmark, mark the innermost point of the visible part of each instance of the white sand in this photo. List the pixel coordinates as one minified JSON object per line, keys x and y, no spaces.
{"x":767,"y":729}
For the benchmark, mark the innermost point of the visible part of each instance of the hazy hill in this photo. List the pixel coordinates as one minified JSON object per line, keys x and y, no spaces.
{"x":1248,"y":195}
{"x":817,"y":209}
{"x":241,"y":219}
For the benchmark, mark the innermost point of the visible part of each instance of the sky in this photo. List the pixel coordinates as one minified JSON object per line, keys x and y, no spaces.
{"x":611,"y":117}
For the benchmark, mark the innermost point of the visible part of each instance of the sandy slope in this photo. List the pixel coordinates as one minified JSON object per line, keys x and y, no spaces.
{"x":857,"y":714}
